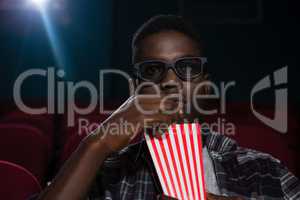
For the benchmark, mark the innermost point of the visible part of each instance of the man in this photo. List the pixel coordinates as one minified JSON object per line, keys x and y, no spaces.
{"x":168,"y":60}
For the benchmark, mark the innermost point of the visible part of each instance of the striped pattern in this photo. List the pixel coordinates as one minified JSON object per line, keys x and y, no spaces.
{"x":177,"y":157}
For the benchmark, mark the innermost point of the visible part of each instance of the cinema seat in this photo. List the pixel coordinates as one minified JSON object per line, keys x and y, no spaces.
{"x":26,"y":146}
{"x":16,"y":182}
{"x":43,"y":122}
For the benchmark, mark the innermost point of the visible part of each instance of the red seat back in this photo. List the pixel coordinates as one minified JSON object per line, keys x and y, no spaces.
{"x":16,"y":182}
{"x":45,"y":123}
{"x":25,"y":146}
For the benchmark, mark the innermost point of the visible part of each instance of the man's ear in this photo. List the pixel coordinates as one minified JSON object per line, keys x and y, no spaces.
{"x":207,"y":89}
{"x":209,"y":104}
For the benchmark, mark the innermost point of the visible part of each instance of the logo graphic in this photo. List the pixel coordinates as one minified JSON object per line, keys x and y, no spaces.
{"x":279,"y":122}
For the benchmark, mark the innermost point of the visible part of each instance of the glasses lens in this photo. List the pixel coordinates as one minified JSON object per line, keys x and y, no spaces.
{"x":151,"y":71}
{"x":189,"y":67}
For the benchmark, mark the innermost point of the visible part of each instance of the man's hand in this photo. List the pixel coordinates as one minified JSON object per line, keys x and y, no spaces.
{"x":139,"y":112}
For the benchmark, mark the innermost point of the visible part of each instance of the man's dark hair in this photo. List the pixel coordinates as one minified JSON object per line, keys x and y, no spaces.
{"x":161,"y":23}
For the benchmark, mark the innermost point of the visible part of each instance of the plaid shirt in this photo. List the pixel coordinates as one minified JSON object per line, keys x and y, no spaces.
{"x":242,"y":172}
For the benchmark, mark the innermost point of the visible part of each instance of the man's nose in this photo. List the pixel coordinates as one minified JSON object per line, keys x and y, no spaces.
{"x":170,"y":83}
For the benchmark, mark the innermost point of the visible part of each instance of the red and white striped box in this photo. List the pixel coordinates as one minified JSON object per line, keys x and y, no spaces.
{"x":177,"y":157}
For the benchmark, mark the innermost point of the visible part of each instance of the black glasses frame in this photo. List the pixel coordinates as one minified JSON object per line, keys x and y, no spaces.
{"x":168,"y":65}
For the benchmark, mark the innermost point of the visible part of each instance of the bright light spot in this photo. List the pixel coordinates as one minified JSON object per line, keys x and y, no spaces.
{"x":40,"y":3}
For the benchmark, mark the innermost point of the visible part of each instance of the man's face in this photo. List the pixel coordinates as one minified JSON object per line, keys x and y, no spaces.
{"x":169,"y":46}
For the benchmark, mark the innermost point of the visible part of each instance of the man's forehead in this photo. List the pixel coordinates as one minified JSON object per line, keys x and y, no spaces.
{"x":166,"y":46}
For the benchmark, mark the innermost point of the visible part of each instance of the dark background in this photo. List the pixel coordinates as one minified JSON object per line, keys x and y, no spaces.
{"x":245,"y":41}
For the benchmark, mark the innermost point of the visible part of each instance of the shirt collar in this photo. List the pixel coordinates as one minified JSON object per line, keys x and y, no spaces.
{"x":219,"y":143}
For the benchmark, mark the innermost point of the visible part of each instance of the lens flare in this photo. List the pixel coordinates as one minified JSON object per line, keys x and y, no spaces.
{"x":40,"y":3}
